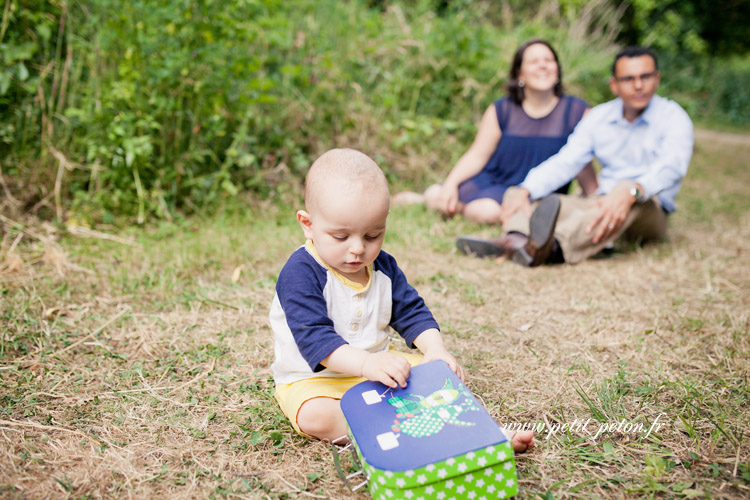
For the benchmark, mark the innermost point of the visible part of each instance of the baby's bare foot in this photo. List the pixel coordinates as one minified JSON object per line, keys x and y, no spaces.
{"x":522,"y":441}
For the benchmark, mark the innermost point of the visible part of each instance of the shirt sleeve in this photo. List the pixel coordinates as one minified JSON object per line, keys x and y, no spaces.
{"x":300,"y":291}
{"x":674,"y":153}
{"x":562,"y":167}
{"x":410,"y":316}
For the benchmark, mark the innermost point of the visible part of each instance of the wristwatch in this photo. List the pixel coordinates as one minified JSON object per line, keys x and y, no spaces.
{"x":636,"y":193}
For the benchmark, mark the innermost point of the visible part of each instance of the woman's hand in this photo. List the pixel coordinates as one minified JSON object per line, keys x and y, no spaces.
{"x":448,"y":199}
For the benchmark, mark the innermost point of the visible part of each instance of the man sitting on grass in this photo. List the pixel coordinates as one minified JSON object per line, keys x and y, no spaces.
{"x":644,"y":143}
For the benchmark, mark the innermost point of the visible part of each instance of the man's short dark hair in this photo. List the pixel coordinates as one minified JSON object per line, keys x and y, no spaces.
{"x":635,"y":51}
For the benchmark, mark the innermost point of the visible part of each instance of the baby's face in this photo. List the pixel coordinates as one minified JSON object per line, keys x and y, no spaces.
{"x":348,"y":230}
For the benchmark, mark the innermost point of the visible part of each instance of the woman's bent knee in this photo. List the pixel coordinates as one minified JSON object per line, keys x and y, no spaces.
{"x":431,"y":195}
{"x":483,"y":211}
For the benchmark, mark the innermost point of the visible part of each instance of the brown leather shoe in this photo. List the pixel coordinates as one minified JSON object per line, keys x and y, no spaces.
{"x":504,"y":246}
{"x":541,"y":235}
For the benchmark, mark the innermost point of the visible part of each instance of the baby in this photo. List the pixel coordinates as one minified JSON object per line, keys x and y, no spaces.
{"x":337,"y":296}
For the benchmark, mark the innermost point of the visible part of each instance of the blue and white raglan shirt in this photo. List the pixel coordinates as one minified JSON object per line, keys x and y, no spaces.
{"x":316,"y":310}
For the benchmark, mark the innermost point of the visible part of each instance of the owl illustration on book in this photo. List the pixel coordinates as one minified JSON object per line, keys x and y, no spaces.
{"x":422,"y":416}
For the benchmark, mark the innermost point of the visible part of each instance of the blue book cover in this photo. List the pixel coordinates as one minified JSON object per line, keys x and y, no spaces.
{"x":433,"y":418}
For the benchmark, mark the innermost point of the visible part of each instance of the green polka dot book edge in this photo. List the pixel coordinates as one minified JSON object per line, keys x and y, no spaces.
{"x":482,"y":475}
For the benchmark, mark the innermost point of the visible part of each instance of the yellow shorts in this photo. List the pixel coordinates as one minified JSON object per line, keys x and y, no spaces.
{"x":292,"y":396}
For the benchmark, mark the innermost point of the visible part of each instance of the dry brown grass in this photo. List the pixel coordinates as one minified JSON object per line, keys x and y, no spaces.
{"x":143,"y":371}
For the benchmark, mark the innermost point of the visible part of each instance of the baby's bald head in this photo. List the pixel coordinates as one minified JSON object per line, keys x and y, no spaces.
{"x":342,"y":172}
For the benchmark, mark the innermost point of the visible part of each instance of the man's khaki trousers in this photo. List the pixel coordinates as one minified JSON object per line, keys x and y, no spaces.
{"x":645,"y":221}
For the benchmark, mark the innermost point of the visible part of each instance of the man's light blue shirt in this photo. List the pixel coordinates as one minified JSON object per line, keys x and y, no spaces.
{"x":654,"y":151}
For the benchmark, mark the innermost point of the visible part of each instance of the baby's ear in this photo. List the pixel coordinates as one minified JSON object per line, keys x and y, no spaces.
{"x":305,"y":223}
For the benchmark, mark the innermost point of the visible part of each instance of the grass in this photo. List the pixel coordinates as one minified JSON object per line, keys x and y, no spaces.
{"x":141,"y":367}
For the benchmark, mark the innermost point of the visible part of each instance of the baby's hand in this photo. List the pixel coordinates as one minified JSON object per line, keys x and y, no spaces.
{"x":387,"y":368}
{"x":439,"y":352}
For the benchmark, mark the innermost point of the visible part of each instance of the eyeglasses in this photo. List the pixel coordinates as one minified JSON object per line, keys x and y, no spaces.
{"x":630,"y":80}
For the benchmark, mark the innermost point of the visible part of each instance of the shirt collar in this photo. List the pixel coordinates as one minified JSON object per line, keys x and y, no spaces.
{"x":647,"y":117}
{"x":649,"y":114}
{"x":310,"y":247}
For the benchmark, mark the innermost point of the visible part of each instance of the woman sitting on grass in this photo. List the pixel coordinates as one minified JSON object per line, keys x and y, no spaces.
{"x":516,"y":133}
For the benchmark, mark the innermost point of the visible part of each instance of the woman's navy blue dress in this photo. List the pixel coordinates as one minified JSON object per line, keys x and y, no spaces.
{"x":525,"y":143}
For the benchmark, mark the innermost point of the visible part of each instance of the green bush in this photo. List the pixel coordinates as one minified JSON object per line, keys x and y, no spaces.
{"x":731,"y":82}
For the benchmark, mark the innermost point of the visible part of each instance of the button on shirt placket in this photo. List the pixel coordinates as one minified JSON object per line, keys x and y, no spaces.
{"x":357,"y":312}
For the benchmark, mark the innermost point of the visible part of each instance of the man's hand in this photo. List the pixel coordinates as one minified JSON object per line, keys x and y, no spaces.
{"x":613,"y":209}
{"x":387,"y":368}
{"x":518,"y":200}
